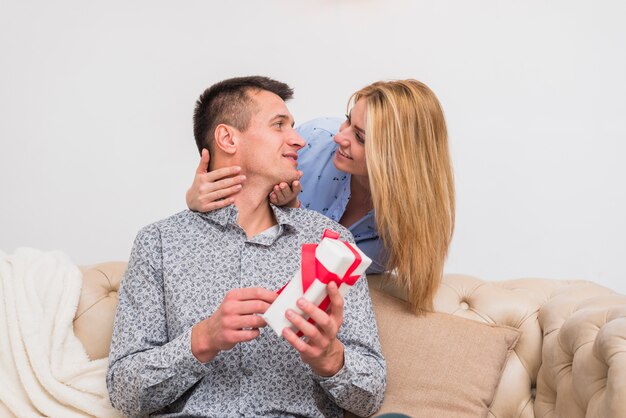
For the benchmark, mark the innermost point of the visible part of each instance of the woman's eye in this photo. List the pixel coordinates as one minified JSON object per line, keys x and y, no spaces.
{"x":359,"y":138}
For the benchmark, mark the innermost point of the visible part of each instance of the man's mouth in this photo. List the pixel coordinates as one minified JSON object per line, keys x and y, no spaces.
{"x":291,"y":155}
{"x":343,"y":154}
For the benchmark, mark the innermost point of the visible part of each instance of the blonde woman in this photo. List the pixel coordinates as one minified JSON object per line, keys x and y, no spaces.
{"x":384,"y":173}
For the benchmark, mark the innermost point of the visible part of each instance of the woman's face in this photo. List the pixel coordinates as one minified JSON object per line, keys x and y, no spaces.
{"x":350,"y":155}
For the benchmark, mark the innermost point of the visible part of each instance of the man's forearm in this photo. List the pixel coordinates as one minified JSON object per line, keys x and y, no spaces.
{"x":359,"y":386}
{"x":146,"y":381}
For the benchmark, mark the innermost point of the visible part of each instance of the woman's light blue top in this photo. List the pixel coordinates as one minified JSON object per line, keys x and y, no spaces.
{"x":326,"y":190}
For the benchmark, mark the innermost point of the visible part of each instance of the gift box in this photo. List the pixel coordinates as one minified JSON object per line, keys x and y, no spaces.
{"x":330,"y":260}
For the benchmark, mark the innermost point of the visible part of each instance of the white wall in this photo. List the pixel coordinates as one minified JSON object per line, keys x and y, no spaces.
{"x":96,"y":101}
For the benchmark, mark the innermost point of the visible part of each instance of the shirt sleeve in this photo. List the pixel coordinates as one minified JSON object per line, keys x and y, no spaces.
{"x":147,"y":371}
{"x":375,"y":250}
{"x":359,"y":386}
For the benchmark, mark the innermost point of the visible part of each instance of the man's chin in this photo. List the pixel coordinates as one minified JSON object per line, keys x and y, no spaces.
{"x":288,"y":177}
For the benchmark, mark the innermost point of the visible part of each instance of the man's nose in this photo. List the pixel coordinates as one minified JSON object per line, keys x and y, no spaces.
{"x":295,"y":140}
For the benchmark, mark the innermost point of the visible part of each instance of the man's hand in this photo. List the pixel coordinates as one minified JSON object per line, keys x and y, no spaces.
{"x":235,"y":321}
{"x":209,"y":187}
{"x":321,"y":349}
{"x":285,"y":195}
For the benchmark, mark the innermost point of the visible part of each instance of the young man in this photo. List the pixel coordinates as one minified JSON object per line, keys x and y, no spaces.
{"x":188,"y":340}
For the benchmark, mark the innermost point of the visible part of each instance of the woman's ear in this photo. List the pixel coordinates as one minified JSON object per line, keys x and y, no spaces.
{"x":225,"y":138}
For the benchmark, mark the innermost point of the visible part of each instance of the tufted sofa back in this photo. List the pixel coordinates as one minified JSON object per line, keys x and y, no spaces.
{"x":572,"y":342}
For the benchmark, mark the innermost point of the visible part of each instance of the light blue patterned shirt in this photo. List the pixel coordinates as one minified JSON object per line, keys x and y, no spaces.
{"x":326,"y":190}
{"x":179,"y":271}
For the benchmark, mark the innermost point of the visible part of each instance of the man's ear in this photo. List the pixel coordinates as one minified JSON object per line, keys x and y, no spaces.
{"x":226,"y":138}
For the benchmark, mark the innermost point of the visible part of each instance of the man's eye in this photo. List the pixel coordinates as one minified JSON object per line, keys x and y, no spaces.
{"x":279,"y":124}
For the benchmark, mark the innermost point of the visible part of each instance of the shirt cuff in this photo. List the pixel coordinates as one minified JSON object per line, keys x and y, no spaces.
{"x":338,"y":382}
{"x":184,"y":359}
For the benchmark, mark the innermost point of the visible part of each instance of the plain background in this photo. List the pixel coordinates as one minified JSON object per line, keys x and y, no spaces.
{"x":96,"y":101}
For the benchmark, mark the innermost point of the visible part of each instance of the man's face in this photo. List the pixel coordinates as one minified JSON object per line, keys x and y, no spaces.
{"x":269,"y":147}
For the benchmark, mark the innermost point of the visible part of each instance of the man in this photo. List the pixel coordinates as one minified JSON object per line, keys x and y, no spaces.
{"x":188,"y":340}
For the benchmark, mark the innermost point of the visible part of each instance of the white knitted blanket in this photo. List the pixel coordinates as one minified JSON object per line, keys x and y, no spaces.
{"x":44,"y":370}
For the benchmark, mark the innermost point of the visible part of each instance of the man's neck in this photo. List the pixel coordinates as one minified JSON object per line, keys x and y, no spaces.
{"x":255,"y":213}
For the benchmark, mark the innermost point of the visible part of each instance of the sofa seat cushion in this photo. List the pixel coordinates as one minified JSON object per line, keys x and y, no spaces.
{"x":439,"y":365}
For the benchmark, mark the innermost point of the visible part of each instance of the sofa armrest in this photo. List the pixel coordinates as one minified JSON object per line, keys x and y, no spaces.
{"x":583,"y":357}
{"x":93,"y":321}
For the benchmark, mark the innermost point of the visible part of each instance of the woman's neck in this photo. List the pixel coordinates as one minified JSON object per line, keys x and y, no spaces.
{"x":360,"y":190}
{"x":360,"y":202}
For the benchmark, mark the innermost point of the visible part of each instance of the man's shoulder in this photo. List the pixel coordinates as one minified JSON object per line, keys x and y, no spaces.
{"x":312,"y":224}
{"x":175,"y":221}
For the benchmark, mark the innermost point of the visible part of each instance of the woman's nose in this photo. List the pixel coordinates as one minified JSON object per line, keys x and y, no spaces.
{"x":341,"y":138}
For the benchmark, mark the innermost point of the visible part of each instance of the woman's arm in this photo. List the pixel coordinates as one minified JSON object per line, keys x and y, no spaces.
{"x":212,"y":190}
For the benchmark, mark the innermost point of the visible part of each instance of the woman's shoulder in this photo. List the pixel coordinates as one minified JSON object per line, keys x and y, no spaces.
{"x":321,"y":127}
{"x":318,"y":134}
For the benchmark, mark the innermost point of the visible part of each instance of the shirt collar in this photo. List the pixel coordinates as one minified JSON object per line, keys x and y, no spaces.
{"x":228,"y":214}
{"x":221,"y":216}
{"x":285,"y":217}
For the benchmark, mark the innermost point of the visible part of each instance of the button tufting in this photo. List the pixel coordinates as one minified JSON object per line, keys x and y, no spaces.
{"x":464,"y":305}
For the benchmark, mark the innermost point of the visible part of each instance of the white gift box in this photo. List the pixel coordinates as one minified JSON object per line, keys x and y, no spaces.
{"x":337,"y":259}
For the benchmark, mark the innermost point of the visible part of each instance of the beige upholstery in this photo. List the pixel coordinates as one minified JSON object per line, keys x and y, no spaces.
{"x":569,"y":362}
{"x":571,"y":332}
{"x":439,"y":365}
{"x":93,"y":323}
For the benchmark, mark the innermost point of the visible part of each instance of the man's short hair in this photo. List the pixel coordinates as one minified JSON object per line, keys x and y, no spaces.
{"x":229,"y":102}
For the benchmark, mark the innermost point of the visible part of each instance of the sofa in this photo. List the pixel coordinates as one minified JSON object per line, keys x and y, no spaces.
{"x":504,"y":349}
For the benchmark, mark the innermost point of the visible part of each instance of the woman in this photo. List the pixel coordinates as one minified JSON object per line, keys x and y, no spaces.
{"x":390,"y":182}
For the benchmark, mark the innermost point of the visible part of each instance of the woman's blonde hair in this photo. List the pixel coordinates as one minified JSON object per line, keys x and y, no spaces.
{"x":411,"y":182}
